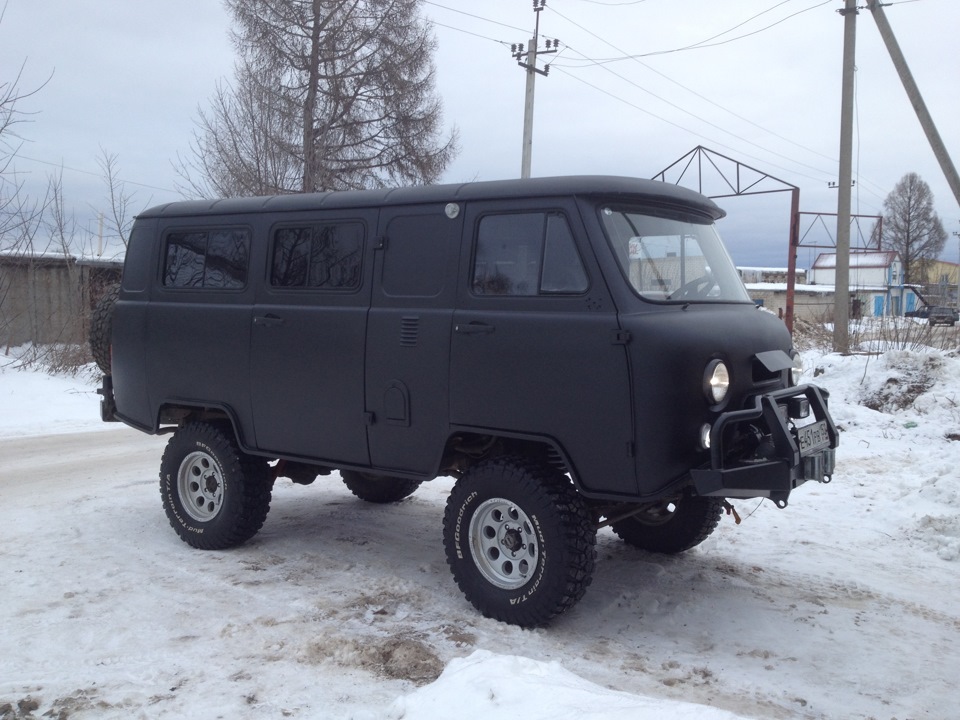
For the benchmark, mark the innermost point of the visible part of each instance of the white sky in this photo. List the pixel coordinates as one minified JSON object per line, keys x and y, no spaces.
{"x":129,"y":77}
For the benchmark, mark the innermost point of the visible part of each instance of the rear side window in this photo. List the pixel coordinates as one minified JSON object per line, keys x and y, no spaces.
{"x":208,"y":259}
{"x":527,"y":254}
{"x":327,"y":256}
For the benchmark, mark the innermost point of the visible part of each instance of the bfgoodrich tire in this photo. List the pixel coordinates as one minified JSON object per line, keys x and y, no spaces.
{"x":672,"y":527}
{"x":377,"y":488}
{"x":519,"y":541}
{"x":101,"y":329}
{"x":214,"y":496}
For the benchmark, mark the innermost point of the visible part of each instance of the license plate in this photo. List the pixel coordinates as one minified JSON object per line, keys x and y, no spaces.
{"x":813,"y":436}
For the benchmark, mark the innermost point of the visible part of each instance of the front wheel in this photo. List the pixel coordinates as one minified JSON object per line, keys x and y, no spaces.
{"x":376,"y":488}
{"x":214,"y":496}
{"x":672,"y":527}
{"x":519,"y":541}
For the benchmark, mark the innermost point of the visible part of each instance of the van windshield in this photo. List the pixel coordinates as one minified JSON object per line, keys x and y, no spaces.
{"x":672,"y":259}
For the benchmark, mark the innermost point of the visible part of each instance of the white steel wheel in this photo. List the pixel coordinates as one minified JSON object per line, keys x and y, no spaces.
{"x":200,"y":484}
{"x":505,"y":548}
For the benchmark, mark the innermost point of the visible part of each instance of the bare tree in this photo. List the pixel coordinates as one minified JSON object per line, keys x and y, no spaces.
{"x":912,"y":227}
{"x":327,"y":95}
{"x":16,"y":208}
{"x":117,"y":219}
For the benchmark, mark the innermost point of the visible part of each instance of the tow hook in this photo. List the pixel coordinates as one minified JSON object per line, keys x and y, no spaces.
{"x":731,"y":510}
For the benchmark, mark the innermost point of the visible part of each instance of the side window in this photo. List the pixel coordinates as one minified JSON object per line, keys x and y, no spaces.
{"x":562,"y":269}
{"x":327,"y":256}
{"x":208,"y":259}
{"x":527,"y":254}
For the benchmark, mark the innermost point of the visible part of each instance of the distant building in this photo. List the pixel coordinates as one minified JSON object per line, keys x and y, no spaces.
{"x":877,"y":287}
{"x":941,"y":285}
{"x":771,"y":275}
{"x":877,"y":283}
{"x":768,"y":288}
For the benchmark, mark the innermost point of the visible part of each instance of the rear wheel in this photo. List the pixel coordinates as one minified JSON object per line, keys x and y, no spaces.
{"x":673,"y":526}
{"x":215,"y":497}
{"x":519,"y":541}
{"x":378,"y":488}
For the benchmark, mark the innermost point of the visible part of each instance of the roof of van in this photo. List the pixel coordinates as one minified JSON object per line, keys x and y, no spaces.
{"x":611,"y":187}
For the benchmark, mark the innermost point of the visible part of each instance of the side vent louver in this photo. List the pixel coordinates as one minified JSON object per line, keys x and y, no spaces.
{"x":409,"y":331}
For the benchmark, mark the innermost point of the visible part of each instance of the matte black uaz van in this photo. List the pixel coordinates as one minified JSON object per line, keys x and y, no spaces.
{"x":578,"y":352}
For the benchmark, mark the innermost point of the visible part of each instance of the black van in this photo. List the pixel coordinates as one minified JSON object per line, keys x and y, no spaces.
{"x":578,"y":352}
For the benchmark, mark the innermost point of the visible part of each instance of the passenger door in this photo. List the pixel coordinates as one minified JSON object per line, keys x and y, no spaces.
{"x":408,"y":336}
{"x":197,"y":327}
{"x":535,"y":347}
{"x":308,"y":330}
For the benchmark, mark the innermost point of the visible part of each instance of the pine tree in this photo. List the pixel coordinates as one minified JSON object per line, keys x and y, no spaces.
{"x":327,"y":95}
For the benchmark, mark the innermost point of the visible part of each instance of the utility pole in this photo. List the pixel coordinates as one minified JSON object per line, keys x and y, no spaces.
{"x":528,"y":61}
{"x":841,"y":307}
{"x":913,"y":93}
{"x":957,"y":235}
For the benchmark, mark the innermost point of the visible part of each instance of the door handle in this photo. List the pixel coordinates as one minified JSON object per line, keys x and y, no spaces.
{"x":474,"y":328}
{"x":270,"y":320}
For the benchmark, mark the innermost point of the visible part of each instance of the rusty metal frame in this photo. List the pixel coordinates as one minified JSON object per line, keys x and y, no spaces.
{"x":737,"y":188}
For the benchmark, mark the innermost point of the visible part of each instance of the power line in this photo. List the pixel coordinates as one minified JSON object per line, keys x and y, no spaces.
{"x":745,"y":22}
{"x":614,"y":4}
{"x":702,"y":97}
{"x":715,"y":126}
{"x":703,"y":43}
{"x":468,"y":32}
{"x":476,"y":17}
{"x":706,"y":43}
{"x":685,"y":129}
{"x":91,"y":173}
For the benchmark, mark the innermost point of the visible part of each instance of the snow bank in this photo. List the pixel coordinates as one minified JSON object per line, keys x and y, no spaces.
{"x":35,"y":403}
{"x":485,"y":685}
{"x":902,"y":409}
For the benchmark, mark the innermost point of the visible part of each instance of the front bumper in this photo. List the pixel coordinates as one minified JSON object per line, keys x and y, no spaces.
{"x":780,"y":457}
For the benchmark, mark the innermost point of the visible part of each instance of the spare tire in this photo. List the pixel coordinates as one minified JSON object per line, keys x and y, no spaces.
{"x":101,"y":328}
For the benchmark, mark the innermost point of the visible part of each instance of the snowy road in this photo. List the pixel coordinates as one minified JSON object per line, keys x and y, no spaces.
{"x":828,"y":609}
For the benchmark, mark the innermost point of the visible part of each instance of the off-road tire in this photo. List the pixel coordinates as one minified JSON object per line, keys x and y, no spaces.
{"x":519,"y":541}
{"x":663,"y":530}
{"x":215,"y":497}
{"x":377,"y":488}
{"x":101,"y":329}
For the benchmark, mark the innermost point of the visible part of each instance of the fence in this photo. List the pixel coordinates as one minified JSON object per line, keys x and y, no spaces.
{"x":48,"y":299}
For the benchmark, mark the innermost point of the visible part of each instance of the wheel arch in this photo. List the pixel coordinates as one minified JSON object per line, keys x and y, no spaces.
{"x":467,"y":446}
{"x":177,"y":413}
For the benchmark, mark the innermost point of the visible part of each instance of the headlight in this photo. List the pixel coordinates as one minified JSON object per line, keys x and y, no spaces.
{"x":797,"y":370}
{"x":716,"y":382}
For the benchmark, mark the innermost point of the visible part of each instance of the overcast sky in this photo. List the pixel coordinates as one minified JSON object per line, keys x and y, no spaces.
{"x":762,"y":86}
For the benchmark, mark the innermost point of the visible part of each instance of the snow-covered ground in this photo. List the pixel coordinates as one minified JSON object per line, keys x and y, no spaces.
{"x":843,"y":605}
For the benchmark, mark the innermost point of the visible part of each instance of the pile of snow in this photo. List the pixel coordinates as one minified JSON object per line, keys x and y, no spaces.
{"x":900,"y":414}
{"x":842,"y":605}
{"x":485,"y":686}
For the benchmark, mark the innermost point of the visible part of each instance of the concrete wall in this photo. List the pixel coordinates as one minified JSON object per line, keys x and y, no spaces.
{"x":49,"y":299}
{"x":814,"y":307}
